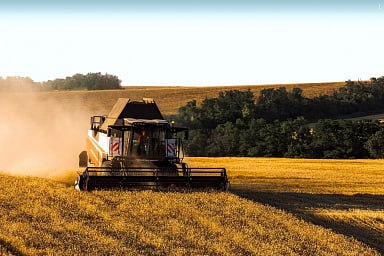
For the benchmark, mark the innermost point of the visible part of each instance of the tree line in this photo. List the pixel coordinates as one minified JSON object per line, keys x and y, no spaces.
{"x":17,"y":83}
{"x":291,"y":138}
{"x":284,"y":123}
{"x":89,"y":81}
{"x":353,"y":97}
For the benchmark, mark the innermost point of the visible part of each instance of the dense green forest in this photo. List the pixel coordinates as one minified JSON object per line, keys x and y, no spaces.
{"x":276,"y":123}
{"x":90,"y":81}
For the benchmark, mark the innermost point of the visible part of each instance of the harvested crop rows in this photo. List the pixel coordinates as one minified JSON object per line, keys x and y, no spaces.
{"x":40,"y":216}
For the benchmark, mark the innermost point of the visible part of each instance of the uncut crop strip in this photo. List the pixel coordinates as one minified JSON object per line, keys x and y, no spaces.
{"x":331,"y":193}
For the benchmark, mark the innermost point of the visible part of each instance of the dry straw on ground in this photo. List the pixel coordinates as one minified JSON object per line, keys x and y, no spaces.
{"x":43,"y":217}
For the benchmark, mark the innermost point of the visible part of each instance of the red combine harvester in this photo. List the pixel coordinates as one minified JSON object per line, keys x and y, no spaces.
{"x":133,"y":147}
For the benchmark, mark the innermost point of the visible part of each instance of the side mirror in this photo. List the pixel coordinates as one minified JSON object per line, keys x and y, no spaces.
{"x":186,"y":135}
{"x":83,"y":159}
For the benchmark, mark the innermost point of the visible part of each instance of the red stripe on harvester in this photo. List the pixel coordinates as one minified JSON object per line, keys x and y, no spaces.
{"x":115,"y":146}
{"x":171,"y":148}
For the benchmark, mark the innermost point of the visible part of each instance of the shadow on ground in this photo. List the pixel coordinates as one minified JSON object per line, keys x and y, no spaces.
{"x":303,"y":205}
{"x":7,"y":249}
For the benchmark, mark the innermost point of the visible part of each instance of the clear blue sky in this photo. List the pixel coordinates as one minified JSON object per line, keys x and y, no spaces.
{"x":184,"y":42}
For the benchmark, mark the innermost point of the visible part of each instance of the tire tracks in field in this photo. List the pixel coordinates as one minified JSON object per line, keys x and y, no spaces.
{"x":303,"y":205}
{"x":8,"y":249}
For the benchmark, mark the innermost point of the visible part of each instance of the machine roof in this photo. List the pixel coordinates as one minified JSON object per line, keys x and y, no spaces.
{"x":126,"y":109}
{"x":141,"y":110}
{"x":118,"y":108}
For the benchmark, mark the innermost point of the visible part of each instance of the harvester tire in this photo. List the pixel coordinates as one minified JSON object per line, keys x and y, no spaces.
{"x":80,"y":183}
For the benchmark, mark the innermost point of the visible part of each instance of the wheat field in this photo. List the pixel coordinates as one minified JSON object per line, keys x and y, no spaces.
{"x":45,"y":217}
{"x":270,"y":210}
{"x":344,"y":195}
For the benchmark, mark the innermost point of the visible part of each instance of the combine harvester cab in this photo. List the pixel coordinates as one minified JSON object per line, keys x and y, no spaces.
{"x":133,"y":147}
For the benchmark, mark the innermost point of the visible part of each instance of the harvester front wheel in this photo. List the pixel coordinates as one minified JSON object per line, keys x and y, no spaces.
{"x":80,"y":183}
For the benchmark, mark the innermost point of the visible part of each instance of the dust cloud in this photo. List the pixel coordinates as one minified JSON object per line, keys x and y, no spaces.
{"x":40,"y":135}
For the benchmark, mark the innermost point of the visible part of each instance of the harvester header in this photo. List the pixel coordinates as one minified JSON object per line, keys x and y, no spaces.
{"x":134,"y":147}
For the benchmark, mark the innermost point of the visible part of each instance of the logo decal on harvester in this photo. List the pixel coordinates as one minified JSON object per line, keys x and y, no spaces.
{"x":171,"y":148}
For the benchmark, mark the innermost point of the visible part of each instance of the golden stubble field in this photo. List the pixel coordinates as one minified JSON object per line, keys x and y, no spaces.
{"x":269,"y":211}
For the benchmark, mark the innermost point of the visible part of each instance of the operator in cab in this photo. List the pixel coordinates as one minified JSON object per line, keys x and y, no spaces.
{"x":143,"y":141}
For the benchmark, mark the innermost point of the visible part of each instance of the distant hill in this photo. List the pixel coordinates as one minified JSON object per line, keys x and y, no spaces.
{"x":169,"y":98}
